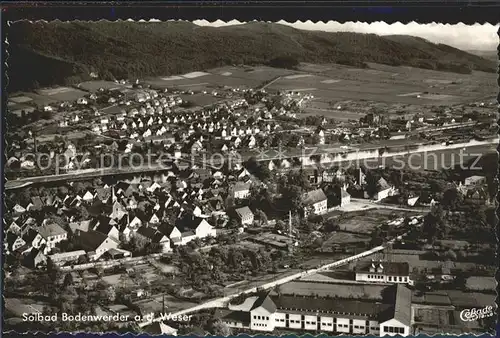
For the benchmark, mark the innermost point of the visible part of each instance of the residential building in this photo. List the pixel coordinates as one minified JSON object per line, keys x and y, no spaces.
{"x":65,"y":257}
{"x":95,"y":243}
{"x":159,"y":328}
{"x":474,"y":181}
{"x":315,"y":201}
{"x":245,"y":215}
{"x":241,"y":190}
{"x":345,"y":197}
{"x":53,"y":234}
{"x":154,"y":236}
{"x":383,"y":272}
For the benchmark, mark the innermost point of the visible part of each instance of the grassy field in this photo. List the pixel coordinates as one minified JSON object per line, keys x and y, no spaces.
{"x":481,"y":283}
{"x":62,"y":93}
{"x":333,"y":84}
{"x":200,"y":100}
{"x":93,"y":86}
{"x":441,"y":317}
{"x":356,"y":291}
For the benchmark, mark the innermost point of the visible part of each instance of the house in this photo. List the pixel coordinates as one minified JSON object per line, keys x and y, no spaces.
{"x":154,"y":236}
{"x":412,"y":201}
{"x":320,"y":135}
{"x":345,"y":197}
{"x":76,"y":227}
{"x":95,"y":243}
{"x":36,"y":258}
{"x":262,"y":312}
{"x":107,"y":227}
{"x":14,"y":241}
{"x":315,"y":201}
{"x":52,"y":234}
{"x":195,"y":228}
{"x":384,"y":190}
{"x":82,"y":101}
{"x":88,"y":197}
{"x":383,"y":272}
{"x":159,"y":328}
{"x":36,"y":203}
{"x":18,"y":209}
{"x":65,"y":257}
{"x":118,"y":211}
{"x":241,"y":190}
{"x":33,"y":239}
{"x":135,"y":223}
{"x":474,"y":181}
{"x":245,"y":215}
{"x":154,"y":219}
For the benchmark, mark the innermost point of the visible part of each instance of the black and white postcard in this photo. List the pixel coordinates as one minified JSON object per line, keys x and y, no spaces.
{"x":196,"y":177}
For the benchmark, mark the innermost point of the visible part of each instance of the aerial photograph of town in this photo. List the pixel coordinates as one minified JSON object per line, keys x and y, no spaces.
{"x":188,"y":178}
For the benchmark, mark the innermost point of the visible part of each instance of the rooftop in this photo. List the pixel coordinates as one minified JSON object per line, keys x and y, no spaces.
{"x":388,"y":268}
{"x":314,"y":196}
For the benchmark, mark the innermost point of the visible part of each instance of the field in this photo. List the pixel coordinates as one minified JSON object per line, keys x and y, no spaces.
{"x":481,"y":283}
{"x":200,"y":100}
{"x":93,"y":86}
{"x":62,"y":93}
{"x":404,"y":88}
{"x":236,"y":77}
{"x":356,"y":291}
{"x":344,"y":238}
{"x":440,"y":317}
{"x":333,"y":84}
{"x":364,"y":222}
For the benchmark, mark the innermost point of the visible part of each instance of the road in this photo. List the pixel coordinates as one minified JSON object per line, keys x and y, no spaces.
{"x":99,"y":172}
{"x":222,"y":301}
{"x":270,"y":83}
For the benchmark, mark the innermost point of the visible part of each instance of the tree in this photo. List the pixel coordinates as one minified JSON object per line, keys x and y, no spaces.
{"x":261,"y":216}
{"x":53,"y":271}
{"x":331,"y":225}
{"x":452,"y":199}
{"x":294,"y":198}
{"x":451,"y":255}
{"x":219,"y":328}
{"x":433,"y":226}
{"x":233,"y":223}
{"x":371,"y":186}
{"x":280,"y":226}
{"x":229,"y":202}
{"x":68,"y":280}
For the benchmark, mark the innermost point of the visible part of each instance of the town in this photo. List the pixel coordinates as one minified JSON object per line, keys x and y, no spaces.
{"x":263,"y":205}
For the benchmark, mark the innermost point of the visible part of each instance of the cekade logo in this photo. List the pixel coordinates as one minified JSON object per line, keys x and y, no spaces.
{"x":469,"y":315}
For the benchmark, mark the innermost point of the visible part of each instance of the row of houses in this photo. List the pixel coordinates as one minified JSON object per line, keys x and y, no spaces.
{"x":172,"y":209}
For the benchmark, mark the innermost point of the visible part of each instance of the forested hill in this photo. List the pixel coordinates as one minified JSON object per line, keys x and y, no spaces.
{"x":44,"y":54}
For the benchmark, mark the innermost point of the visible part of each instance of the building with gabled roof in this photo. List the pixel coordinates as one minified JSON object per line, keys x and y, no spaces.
{"x":389,"y":315}
{"x":154,"y":236}
{"x":315,"y":201}
{"x":95,"y":243}
{"x":53,"y":234}
{"x":245,"y":215}
{"x":383,"y":272}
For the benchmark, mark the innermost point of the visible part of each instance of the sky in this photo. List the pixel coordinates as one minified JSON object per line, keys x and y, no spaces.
{"x":466,"y":37}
